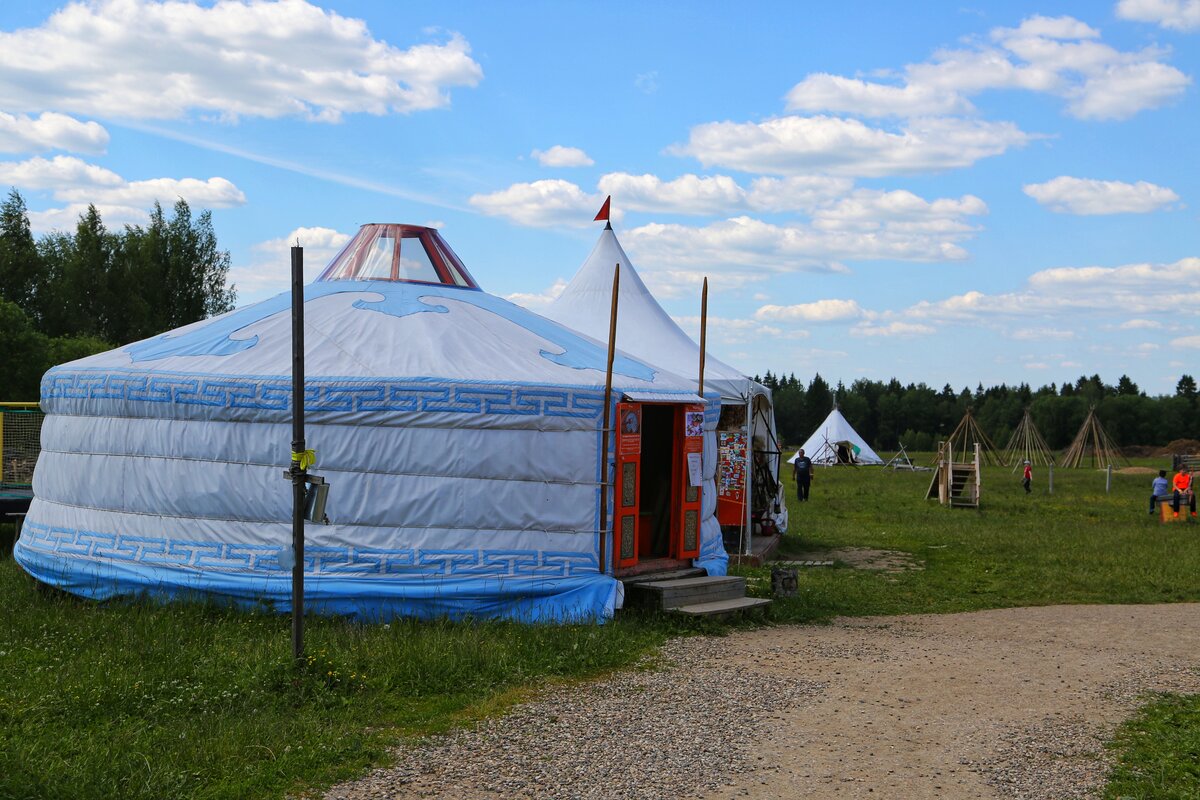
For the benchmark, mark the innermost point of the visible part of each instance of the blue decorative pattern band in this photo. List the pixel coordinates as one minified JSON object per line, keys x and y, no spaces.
{"x":388,"y":396}
{"x":344,"y":561}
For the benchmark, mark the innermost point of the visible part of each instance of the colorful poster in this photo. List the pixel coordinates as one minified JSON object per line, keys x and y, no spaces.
{"x":693,"y":423}
{"x":629,"y":421}
{"x":731,"y":465}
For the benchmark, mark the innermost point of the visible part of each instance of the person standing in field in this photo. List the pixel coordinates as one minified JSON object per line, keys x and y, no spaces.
{"x":802,"y":469}
{"x":1183,"y":490}
{"x":1027,"y":477}
{"x":1158,"y":488}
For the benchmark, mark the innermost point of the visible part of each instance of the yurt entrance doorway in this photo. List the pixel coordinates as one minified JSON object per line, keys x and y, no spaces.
{"x":657,"y":495}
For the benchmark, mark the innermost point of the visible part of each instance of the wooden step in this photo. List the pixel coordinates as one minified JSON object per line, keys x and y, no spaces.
{"x":670,"y":594}
{"x":722,"y":608}
{"x":689,"y":572}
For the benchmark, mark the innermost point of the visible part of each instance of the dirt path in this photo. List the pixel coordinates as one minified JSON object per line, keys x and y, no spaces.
{"x":1014,"y":703}
{"x":1009,"y":703}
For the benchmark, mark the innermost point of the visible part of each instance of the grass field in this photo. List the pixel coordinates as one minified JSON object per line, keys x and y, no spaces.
{"x":150,"y":701}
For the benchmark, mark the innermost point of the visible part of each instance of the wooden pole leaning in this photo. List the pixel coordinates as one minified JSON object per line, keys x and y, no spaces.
{"x":298,"y":466}
{"x":612,"y":347}
{"x":703,"y":335}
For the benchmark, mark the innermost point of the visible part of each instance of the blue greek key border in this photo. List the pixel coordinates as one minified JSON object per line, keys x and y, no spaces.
{"x":340,"y":561}
{"x":333,"y":396}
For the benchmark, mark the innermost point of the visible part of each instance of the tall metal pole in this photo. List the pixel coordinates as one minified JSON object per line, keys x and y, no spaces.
{"x":612,"y":347}
{"x":298,"y":467}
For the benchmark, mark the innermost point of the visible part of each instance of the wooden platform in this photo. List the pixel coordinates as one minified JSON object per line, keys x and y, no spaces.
{"x":762,"y":550}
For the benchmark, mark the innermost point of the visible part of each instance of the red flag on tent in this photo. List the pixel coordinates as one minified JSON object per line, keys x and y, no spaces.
{"x":603,"y":214}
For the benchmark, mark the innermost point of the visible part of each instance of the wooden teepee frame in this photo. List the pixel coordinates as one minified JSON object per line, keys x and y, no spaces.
{"x":1093,"y":444}
{"x":1027,"y":444}
{"x":967,"y":434}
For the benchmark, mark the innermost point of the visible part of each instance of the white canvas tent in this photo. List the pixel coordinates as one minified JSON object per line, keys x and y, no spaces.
{"x":836,"y":442}
{"x":646,"y":331}
{"x":460,"y":435}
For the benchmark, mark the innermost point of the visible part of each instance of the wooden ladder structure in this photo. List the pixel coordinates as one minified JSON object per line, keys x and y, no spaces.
{"x":955,"y":484}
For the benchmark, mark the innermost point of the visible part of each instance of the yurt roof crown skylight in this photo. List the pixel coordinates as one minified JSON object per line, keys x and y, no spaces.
{"x":407,"y":253}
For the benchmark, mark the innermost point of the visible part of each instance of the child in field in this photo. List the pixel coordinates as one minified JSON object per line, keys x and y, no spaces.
{"x":1027,"y":477}
{"x":1158,"y":488}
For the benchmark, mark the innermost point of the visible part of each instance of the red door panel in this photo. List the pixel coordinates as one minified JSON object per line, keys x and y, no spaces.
{"x":627,"y":486}
{"x":689,"y":469}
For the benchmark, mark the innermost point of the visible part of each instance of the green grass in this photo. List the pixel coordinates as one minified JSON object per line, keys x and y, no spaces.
{"x":1158,"y":752}
{"x":151,"y":701}
{"x":143,"y":700}
{"x":1078,"y":545}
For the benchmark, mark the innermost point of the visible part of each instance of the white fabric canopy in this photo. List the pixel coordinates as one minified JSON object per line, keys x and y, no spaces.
{"x":644,"y":329}
{"x":647,"y":332}
{"x":821,"y":447}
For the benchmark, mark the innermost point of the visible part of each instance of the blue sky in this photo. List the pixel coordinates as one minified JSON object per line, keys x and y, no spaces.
{"x":946,"y":192}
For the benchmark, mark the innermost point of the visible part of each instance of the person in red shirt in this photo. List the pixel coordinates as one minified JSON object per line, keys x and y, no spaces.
{"x":1027,"y":477}
{"x":1183,"y":488}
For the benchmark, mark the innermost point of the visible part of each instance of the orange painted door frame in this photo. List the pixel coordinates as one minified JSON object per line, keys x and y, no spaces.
{"x":627,"y":498}
{"x":688,"y":473}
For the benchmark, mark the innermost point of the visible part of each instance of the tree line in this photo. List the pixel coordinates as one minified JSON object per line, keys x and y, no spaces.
{"x":67,"y":295}
{"x":889,"y":413}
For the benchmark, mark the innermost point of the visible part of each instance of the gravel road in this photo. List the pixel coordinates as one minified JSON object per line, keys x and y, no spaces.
{"x":1014,"y":703}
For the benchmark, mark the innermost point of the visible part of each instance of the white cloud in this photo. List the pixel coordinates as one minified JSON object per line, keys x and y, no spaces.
{"x":210,"y":193}
{"x":67,"y":217}
{"x":729,"y":331}
{"x":542,"y":204}
{"x":803,"y":193}
{"x":687,"y":194}
{"x":646,"y":82}
{"x":269,"y":272}
{"x":832,"y":145}
{"x":891,"y":329}
{"x":560,"y":156}
{"x":824,"y":92}
{"x":21,"y":133}
{"x":142,"y":59}
{"x":1129,"y":290}
{"x":60,"y":172}
{"x":1186,"y":341}
{"x":763,"y":248}
{"x":1041,"y":334}
{"x":76,"y":181}
{"x":537,"y":301}
{"x":819,"y":311}
{"x":1180,"y":15}
{"x":1061,"y":56}
{"x":1065,"y":194}
{"x":1140,"y":324}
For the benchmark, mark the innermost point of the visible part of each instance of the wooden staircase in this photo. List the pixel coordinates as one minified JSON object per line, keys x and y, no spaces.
{"x":690,"y":592}
{"x":955,"y":484}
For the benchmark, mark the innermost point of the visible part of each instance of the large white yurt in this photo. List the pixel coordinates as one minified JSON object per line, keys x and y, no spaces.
{"x":460,"y":435}
{"x":748,"y":446}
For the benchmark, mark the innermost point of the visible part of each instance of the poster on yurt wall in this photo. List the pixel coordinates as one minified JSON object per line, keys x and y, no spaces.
{"x":630,"y":436}
{"x":731,"y":466}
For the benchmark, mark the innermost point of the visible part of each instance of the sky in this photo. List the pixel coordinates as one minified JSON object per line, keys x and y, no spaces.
{"x":955,"y":192}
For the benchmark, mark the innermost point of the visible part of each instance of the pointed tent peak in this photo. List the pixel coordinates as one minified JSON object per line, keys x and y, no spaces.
{"x":823,"y":447}
{"x":402,"y":253}
{"x":644,"y":328}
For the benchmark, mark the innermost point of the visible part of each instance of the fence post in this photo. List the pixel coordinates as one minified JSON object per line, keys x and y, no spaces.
{"x":1108,"y":480}
{"x":1051,"y":479}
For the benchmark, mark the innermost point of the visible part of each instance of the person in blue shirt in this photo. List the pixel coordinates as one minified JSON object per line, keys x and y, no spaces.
{"x":1158,"y":488}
